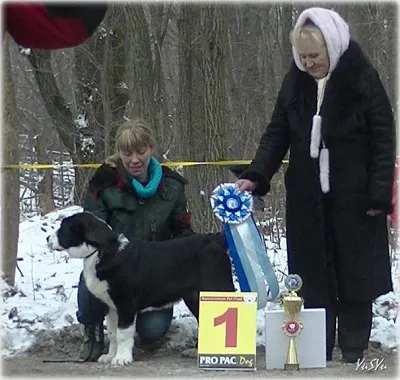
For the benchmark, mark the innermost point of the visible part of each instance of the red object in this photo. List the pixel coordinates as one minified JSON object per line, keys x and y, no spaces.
{"x":120,"y":183}
{"x":95,"y":194}
{"x":52,"y":26}
{"x":31,"y":26}
{"x":394,"y":216}
{"x":185,"y":219}
{"x":292,"y":327}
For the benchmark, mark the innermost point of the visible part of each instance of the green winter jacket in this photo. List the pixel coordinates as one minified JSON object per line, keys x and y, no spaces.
{"x":162,"y":216}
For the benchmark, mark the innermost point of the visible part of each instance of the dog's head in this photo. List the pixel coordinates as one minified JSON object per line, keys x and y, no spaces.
{"x":81,"y":234}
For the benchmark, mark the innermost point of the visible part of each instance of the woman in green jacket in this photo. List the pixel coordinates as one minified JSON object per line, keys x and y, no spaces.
{"x":141,"y":199}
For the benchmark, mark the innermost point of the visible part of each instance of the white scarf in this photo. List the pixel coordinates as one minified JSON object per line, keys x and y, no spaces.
{"x":316,"y":138}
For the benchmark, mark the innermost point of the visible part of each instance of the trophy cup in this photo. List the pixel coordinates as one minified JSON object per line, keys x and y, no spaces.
{"x":292,"y":327}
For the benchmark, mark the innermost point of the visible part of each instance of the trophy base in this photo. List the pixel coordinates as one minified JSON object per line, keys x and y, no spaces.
{"x":291,"y":367}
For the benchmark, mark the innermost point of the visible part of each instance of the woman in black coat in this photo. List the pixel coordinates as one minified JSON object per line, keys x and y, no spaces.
{"x":334,"y":114}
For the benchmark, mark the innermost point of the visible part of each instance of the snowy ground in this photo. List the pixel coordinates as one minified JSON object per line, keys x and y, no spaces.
{"x":44,"y":297}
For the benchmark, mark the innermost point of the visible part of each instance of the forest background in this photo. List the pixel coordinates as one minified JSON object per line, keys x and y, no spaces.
{"x":204,"y":75}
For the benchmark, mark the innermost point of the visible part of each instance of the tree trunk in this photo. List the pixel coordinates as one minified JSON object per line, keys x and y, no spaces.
{"x":214,"y":70}
{"x":286,"y":20}
{"x":10,"y":180}
{"x":160,"y":16}
{"x":54,"y":102}
{"x":101,"y":96}
{"x":187,"y":23}
{"x":45,"y":185}
{"x":142,"y":66}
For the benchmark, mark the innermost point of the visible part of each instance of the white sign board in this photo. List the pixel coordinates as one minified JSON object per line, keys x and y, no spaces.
{"x":310,"y":344}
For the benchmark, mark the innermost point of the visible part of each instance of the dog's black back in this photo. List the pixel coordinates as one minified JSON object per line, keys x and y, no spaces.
{"x":157,"y":273}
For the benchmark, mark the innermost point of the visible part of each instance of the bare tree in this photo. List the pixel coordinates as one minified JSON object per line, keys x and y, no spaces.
{"x":87,"y":130}
{"x":203,"y":71}
{"x":45,"y":184}
{"x":214,"y":68}
{"x":190,"y":105}
{"x":142,"y":66}
{"x":10,"y":179}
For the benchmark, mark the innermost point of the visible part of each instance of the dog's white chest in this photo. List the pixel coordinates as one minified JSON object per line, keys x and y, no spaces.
{"x":97,"y":287}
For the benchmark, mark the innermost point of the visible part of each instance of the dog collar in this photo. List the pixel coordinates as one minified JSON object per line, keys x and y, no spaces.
{"x":91,"y":254}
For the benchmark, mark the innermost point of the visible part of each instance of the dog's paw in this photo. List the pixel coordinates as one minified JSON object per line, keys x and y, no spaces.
{"x":119,"y":360}
{"x":105,"y":359}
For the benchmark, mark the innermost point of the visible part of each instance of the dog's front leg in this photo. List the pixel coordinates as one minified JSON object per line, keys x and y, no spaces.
{"x":112,"y":324}
{"x":125,"y":341}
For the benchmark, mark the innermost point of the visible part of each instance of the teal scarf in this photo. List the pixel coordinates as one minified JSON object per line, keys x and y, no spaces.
{"x":155,"y":174}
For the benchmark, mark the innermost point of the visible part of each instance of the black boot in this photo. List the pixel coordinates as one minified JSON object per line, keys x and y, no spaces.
{"x":355,"y":322}
{"x":93,"y":342}
{"x":148,"y":346}
{"x":352,"y":356}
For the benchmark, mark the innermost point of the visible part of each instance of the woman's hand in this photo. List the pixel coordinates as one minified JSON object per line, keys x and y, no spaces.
{"x":372,"y":212}
{"x":245,"y":184}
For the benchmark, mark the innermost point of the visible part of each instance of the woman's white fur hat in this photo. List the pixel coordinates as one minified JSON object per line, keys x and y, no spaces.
{"x":337,"y":38}
{"x":334,"y":29}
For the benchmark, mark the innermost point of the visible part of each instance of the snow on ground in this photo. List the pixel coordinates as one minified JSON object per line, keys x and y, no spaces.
{"x":44,"y":296}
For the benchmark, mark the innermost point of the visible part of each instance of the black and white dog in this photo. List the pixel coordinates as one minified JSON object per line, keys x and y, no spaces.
{"x":130,"y":276}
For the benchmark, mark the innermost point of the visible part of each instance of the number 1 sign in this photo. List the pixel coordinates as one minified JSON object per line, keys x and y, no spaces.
{"x":227,"y":330}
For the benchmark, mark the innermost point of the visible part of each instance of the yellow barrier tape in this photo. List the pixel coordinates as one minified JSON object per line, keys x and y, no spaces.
{"x":94,"y":166}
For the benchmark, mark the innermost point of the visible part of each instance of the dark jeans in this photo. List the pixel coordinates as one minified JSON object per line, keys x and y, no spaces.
{"x":150,"y":326}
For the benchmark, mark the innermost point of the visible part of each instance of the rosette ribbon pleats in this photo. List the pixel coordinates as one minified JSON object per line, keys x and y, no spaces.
{"x":246,"y":246}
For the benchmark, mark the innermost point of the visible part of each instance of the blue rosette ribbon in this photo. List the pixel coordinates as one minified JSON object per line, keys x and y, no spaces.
{"x":246,"y":246}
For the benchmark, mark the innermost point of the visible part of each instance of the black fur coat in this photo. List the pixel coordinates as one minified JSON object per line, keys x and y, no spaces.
{"x":358,"y":129}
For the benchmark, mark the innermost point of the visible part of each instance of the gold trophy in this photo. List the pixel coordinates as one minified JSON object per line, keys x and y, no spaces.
{"x":292,"y":327}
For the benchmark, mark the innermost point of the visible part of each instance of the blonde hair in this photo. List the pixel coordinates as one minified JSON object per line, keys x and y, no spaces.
{"x":131,"y":136}
{"x":307,"y":32}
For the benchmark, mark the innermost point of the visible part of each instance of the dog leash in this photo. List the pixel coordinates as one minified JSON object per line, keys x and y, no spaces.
{"x":73,"y":360}
{"x":64,"y":360}
{"x":69,"y":360}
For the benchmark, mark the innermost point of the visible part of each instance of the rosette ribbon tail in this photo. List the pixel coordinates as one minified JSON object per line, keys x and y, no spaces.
{"x":246,"y":246}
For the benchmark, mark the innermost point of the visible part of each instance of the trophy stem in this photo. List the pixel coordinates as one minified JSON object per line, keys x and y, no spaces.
{"x":291,"y":361}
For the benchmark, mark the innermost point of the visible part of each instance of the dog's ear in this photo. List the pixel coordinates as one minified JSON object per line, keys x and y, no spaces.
{"x":72,"y":226}
{"x":71,"y":232}
{"x":99,"y":234}
{"x":77,"y":229}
